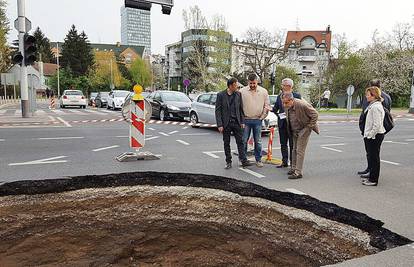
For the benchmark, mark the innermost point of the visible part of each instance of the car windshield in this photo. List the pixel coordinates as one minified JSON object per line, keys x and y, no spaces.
{"x":73,"y":93}
{"x":177,"y":97}
{"x":121,"y":94}
{"x":104,"y":94}
{"x":94,"y":94}
{"x":272,"y":99}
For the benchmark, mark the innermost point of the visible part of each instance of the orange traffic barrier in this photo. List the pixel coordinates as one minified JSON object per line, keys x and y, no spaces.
{"x":270,"y":144}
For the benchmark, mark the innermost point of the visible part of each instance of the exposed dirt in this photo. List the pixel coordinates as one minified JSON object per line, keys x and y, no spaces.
{"x":168,"y":226}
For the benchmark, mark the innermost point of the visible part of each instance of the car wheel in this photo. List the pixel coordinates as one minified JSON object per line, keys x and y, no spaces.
{"x":193,"y":119}
{"x":62,"y":106}
{"x":162,"y":115}
{"x":107,"y":106}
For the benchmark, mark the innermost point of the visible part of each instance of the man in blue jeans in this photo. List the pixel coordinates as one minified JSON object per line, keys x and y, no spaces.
{"x":256,"y":105}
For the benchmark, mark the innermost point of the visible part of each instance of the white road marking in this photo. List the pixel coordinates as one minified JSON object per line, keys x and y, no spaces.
{"x":162,"y":133}
{"x":183,"y":142}
{"x":332,"y":149}
{"x":158,"y":122}
{"x":295,"y":191}
{"x":211,"y":154}
{"x":104,"y":148}
{"x":2,"y":140}
{"x":390,"y":162}
{"x":333,"y":145}
{"x":122,"y":136}
{"x":64,"y":122}
{"x":52,"y":118}
{"x":167,"y":122}
{"x":151,"y":129}
{"x":394,"y":142}
{"x":41,"y":161}
{"x":173,"y":132}
{"x":195,"y":134}
{"x":175,"y":123}
{"x":61,"y":138}
{"x":258,"y":175}
{"x":3,"y":111}
{"x":151,"y":138}
{"x":186,"y":127}
{"x":409,"y":140}
{"x":336,"y":137}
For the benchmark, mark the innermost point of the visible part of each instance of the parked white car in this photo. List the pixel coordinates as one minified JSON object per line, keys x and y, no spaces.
{"x":72,"y":98}
{"x":203,"y":111}
{"x":116,"y":99}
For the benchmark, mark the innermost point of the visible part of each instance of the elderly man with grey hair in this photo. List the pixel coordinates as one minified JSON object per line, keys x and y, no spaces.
{"x":278,"y":109}
{"x":302,"y":118}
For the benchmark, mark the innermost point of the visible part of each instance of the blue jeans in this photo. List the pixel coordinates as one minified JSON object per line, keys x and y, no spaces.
{"x":256,"y":127}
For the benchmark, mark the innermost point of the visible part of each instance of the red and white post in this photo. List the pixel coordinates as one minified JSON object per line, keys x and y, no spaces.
{"x":137,"y":127}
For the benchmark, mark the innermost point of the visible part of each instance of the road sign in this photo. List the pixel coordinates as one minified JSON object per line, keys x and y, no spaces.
{"x":27,"y":22}
{"x":350,"y":90}
{"x":186,"y":82}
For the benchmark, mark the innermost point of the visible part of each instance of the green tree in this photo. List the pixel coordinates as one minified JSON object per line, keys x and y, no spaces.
{"x":141,"y":72}
{"x":100,"y":74}
{"x":77,"y":53}
{"x":43,"y":47}
{"x":4,"y":30}
{"x":67,"y":80}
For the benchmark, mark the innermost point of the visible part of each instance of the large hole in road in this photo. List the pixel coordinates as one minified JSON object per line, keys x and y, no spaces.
{"x":177,"y":219}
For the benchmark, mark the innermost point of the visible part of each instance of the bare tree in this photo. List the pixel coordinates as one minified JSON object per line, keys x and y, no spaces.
{"x":263,"y":50}
{"x":194,"y":18}
{"x":218,"y":23}
{"x":403,"y":36}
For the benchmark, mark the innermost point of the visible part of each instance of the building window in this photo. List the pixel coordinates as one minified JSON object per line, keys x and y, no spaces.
{"x":308,"y":41}
{"x":304,"y":67}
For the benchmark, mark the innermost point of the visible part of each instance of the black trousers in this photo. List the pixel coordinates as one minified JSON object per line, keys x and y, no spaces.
{"x":366,"y":150}
{"x":284,"y":139}
{"x":234,"y":127}
{"x":373,"y":151}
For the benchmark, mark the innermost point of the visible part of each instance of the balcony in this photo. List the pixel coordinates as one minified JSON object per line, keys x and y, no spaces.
{"x":307,"y":58}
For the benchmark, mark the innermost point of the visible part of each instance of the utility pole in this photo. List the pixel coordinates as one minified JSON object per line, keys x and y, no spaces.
{"x":412,"y":95}
{"x":24,"y":90}
{"x":58,"y":67}
{"x":273,"y":78}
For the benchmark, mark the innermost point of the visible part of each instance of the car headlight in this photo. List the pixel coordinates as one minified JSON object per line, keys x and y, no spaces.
{"x":171,"y":107}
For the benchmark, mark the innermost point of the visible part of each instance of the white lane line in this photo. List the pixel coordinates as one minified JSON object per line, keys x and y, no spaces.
{"x":162,"y":133}
{"x":211,"y":154}
{"x":186,"y":127}
{"x":295,"y":191}
{"x":333,"y":145}
{"x":2,"y":140}
{"x":183,"y":142}
{"x":195,"y":134}
{"x":41,"y":161}
{"x":151,"y":129}
{"x":60,"y":138}
{"x":122,"y":136}
{"x":409,"y":140}
{"x":64,"y":122}
{"x":258,"y":175}
{"x":394,"y":142}
{"x":335,"y":137}
{"x":390,"y":162}
{"x":151,"y":138}
{"x":104,"y":148}
{"x":332,"y":149}
{"x":173,"y":132}
{"x":52,"y":118}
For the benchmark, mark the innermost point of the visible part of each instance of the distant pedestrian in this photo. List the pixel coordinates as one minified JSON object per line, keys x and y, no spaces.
{"x":230,"y":118}
{"x":386,"y":103}
{"x":256,"y":106}
{"x":325,"y":98}
{"x":373,"y":134}
{"x":302,"y":118}
{"x":47,"y":93}
{"x":278,"y":109}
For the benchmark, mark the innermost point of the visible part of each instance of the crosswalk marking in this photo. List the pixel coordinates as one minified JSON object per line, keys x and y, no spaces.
{"x":3,"y":111}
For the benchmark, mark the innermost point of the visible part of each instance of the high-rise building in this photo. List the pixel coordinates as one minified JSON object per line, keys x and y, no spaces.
{"x":136,"y":28}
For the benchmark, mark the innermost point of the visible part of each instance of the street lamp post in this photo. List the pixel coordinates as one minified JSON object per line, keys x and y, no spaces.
{"x":411,"y":110}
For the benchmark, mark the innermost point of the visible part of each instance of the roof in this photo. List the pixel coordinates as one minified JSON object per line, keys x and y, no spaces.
{"x":116,"y":48}
{"x":297,"y":37}
{"x":49,"y":69}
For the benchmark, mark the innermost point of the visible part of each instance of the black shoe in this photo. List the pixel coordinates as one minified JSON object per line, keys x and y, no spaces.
{"x":295,"y":176}
{"x":228,"y":166}
{"x":365,"y":176}
{"x":290,"y":172}
{"x":246,"y":164}
{"x":363,"y":172}
{"x":283,"y":165}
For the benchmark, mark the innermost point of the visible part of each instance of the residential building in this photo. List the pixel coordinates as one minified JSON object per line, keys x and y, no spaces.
{"x":308,"y":52}
{"x":136,"y":28}
{"x":173,"y":65}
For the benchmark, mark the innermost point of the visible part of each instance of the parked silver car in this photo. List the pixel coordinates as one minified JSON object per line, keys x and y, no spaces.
{"x":203,"y":111}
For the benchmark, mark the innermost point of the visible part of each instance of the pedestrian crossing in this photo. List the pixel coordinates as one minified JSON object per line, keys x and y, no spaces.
{"x":62,"y":112}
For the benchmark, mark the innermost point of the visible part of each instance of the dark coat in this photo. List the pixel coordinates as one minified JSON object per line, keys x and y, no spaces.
{"x":278,"y":108}
{"x":223,"y":109}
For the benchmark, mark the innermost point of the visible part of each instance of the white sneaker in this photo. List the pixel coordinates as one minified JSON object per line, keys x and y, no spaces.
{"x":259,"y":164}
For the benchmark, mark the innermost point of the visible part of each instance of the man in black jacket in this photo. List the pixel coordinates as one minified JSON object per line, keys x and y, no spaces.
{"x":278,"y":109}
{"x":230,"y":118}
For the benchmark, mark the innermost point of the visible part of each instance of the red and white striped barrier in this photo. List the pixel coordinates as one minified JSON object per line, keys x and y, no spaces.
{"x":137,"y":127}
{"x":270,"y":144}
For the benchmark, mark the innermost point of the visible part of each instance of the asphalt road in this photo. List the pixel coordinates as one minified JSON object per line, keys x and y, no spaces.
{"x":332,"y":160}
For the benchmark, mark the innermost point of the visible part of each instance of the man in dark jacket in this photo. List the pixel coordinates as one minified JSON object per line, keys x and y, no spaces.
{"x":278,"y":109}
{"x":230,"y":118}
{"x":386,"y":103}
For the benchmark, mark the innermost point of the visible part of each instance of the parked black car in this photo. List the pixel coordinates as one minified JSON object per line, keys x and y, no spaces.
{"x":101,"y":100}
{"x":170,"y":105}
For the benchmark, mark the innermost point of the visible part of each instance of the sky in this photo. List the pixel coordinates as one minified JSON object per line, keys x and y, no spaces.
{"x":100,"y":19}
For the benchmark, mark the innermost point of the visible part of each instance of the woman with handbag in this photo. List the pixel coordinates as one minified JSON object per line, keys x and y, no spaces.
{"x":373,"y":134}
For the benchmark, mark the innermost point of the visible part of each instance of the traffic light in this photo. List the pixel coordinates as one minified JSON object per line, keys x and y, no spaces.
{"x":272,"y":79}
{"x":29,"y":49}
{"x":17,"y":58}
{"x":166,"y":10}
{"x":137,"y":4}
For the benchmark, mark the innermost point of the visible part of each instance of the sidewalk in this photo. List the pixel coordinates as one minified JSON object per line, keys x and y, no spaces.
{"x":17,"y":118}
{"x":341,"y":116}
